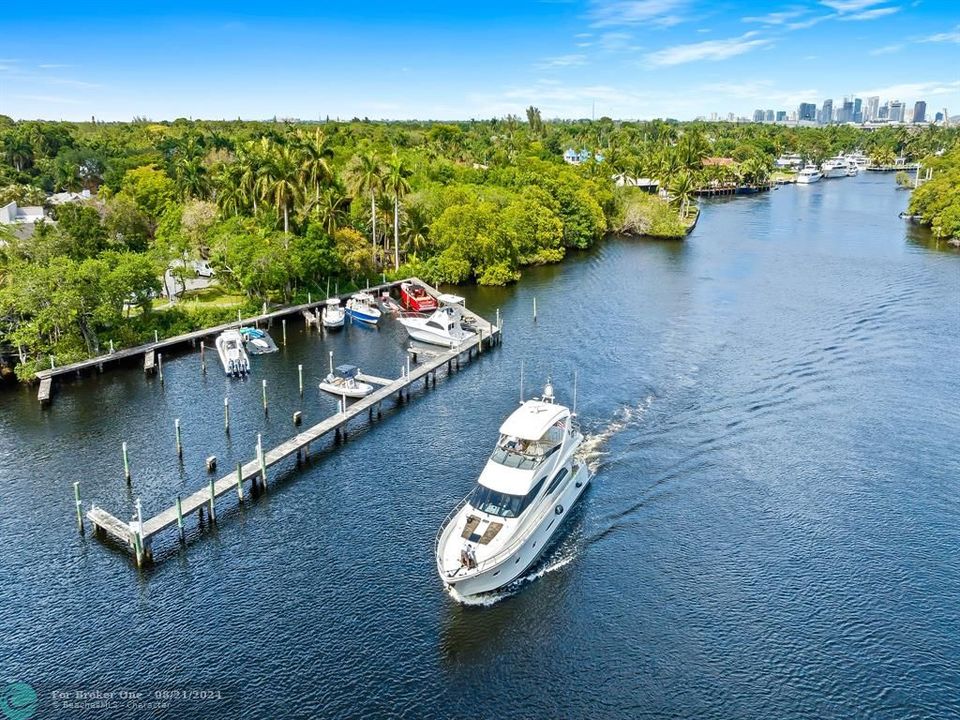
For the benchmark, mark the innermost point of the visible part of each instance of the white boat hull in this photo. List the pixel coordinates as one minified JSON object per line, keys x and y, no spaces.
{"x":515,"y":565}
{"x":359,"y":390}
{"x":807,"y":179}
{"x":430,"y":338}
{"x":333,"y":321}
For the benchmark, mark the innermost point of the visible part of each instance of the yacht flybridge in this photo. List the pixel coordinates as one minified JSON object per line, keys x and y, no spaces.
{"x":527,"y":488}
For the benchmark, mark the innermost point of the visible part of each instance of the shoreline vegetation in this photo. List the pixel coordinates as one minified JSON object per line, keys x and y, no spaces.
{"x":281,"y":209}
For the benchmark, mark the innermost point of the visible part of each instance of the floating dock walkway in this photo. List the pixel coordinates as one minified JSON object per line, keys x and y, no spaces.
{"x":138,"y":535}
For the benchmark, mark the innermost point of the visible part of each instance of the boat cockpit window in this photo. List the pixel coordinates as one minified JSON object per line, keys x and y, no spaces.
{"x":556,"y":480}
{"x":503,"y":504}
{"x":434,"y":323}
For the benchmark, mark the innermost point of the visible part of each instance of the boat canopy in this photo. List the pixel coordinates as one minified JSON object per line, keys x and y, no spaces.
{"x":532,"y":419}
{"x":333,"y":302}
{"x":449,"y":299}
{"x":363,"y":296}
{"x":347,"y":371}
{"x":512,"y":481}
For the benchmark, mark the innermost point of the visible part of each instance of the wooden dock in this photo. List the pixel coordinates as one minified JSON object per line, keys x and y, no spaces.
{"x":309,"y":311}
{"x":138,"y":538}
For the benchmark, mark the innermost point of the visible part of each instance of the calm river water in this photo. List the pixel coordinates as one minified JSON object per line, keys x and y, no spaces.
{"x":773,"y":530}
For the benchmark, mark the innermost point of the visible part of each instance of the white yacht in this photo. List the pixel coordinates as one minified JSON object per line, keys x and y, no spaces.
{"x":527,"y":488}
{"x":809,"y":174}
{"x":333,"y":314}
{"x":834,"y":167}
{"x":444,"y":326}
{"x":232,"y":354}
{"x":861,"y":161}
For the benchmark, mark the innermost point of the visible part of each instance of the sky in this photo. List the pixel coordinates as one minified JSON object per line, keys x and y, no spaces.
{"x":627,"y":59}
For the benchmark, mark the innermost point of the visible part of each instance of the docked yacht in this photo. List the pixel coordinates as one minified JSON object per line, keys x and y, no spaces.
{"x":363,"y":307}
{"x":342,"y":381}
{"x":415,"y":298}
{"x":332,"y":315}
{"x":232,"y":354}
{"x":527,"y":488}
{"x":444,"y":326}
{"x":835,"y":167}
{"x":809,"y":174}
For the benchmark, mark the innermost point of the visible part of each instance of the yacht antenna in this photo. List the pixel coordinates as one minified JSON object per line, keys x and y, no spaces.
{"x":521,"y":382}
{"x":574,"y":391}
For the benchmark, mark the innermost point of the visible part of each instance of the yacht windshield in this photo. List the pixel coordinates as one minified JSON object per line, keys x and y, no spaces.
{"x":503,"y":504}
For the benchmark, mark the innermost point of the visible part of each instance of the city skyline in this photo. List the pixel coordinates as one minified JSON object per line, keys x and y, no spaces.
{"x":629,"y":59}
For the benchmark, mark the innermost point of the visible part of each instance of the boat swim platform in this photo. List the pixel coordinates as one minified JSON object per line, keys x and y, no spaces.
{"x":151,"y":351}
{"x":139,"y":538}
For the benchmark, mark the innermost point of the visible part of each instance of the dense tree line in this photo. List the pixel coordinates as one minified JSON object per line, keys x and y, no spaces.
{"x":282,"y":208}
{"x":937,"y":201}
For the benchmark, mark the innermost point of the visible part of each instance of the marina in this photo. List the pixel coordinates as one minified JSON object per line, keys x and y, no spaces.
{"x":138,"y":535}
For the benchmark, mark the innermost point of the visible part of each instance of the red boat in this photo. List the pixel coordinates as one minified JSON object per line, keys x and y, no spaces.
{"x":413,"y":297}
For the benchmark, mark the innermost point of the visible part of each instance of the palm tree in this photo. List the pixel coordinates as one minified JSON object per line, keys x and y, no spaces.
{"x":681,"y":192}
{"x":316,"y":154}
{"x":248,"y":173}
{"x":191,"y":176}
{"x":365,"y":175}
{"x":281,"y":183}
{"x":230,"y":197}
{"x":396,"y":182}
{"x":416,"y":228}
{"x":330,"y":208}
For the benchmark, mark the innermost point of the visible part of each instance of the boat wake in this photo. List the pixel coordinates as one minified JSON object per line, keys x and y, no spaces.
{"x":592,"y":451}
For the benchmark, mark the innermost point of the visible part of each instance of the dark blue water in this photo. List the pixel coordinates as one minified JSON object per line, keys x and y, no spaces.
{"x":773,"y":530}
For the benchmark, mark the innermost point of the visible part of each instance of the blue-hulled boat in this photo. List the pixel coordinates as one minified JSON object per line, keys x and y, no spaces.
{"x":363,"y":307}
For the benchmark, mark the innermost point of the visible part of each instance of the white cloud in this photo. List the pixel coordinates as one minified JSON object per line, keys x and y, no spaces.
{"x":615,"y":41}
{"x":612,"y":13}
{"x":776,"y":18}
{"x":803,"y":24}
{"x":951,"y":37}
{"x":845,"y":6}
{"x":871,"y":14}
{"x":52,"y":66}
{"x":707,"y":50}
{"x":887,"y":49}
{"x":764,"y":90}
{"x":562,"y":61}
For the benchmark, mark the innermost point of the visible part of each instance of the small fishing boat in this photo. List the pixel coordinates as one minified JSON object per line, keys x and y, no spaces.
{"x":342,"y":381}
{"x":445,"y":326}
{"x":388,"y":304}
{"x":415,"y":298}
{"x":333,"y":315}
{"x":526,"y":490}
{"x":363,"y":307}
{"x":258,"y":341}
{"x":232,"y":354}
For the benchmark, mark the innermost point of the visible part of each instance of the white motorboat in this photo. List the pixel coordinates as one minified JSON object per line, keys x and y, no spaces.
{"x":333,"y":315}
{"x":232,"y":354}
{"x":527,"y":488}
{"x":342,"y":381}
{"x":809,"y":174}
{"x":444,"y":326}
{"x":861,"y":161}
{"x":835,"y":167}
{"x":363,"y":307}
{"x":257,"y":342}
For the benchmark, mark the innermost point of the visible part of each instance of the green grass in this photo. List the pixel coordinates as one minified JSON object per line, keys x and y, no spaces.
{"x":212,"y":296}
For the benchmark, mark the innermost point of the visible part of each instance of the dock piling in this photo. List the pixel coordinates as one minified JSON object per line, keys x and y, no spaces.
{"x":297,"y":418}
{"x":76,"y":497}
{"x":213,"y":497}
{"x":203,"y":358}
{"x":240,"y":481}
{"x":126,"y":464}
{"x":300,"y":376}
{"x":111,"y":347}
{"x":498,"y":318}
{"x":180,"y":519}
{"x":226,"y":415}
{"x":176,"y":428}
{"x":284,"y":324}
{"x":265,"y":411}
{"x":156,"y":336}
{"x":160,"y":367}
{"x":534,"y":308}
{"x":263,"y":462}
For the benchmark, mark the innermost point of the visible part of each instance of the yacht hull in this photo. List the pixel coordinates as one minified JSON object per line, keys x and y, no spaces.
{"x":364,"y":316}
{"x":516,"y":564}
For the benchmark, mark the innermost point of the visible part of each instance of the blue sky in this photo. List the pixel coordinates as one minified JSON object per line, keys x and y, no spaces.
{"x":451,"y":60}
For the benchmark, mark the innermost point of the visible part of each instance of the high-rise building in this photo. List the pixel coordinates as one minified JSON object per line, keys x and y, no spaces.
{"x":896,"y":111}
{"x":883,"y":112}
{"x":938,"y":117}
{"x":845,"y":113}
{"x":920,"y":111}
{"x":826,"y":113}
{"x":758,"y":115}
{"x":781,"y":115}
{"x":807,"y":111}
{"x":857,"y":110}
{"x":769,"y":116}
{"x":873,"y":108}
